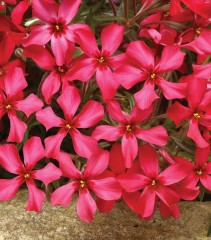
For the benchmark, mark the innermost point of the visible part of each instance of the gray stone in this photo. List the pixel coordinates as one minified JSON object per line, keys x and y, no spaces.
{"x":61,"y":223}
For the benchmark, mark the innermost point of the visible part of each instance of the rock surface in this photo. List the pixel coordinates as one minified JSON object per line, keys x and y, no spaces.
{"x":62,"y":223}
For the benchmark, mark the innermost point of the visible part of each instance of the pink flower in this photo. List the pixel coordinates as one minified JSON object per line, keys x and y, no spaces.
{"x":33,"y":152}
{"x":59,"y":73}
{"x":129,"y":131}
{"x":154,"y":184}
{"x":199,"y":103}
{"x":55,"y":26}
{"x":92,"y":178}
{"x":98,"y":61}
{"x":12,"y":100}
{"x":69,"y":101}
{"x":142,"y":66}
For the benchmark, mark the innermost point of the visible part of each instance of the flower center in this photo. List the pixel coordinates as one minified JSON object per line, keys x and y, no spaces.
{"x":199,"y":172}
{"x":68,"y":126}
{"x":128,"y":128}
{"x":198,"y":31}
{"x":153,"y":183}
{"x":27,"y":175}
{"x":58,"y":27}
{"x":196,"y":115}
{"x":82,"y":183}
{"x":62,"y":69}
{"x":152,"y":76}
{"x":101,"y":60}
{"x":8,"y":107}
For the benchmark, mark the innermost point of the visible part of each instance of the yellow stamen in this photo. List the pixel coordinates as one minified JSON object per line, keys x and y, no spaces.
{"x":152,"y":76}
{"x":128,"y":128}
{"x":153,"y":182}
{"x":198,"y":30}
{"x":57,"y":27}
{"x":8,"y":106}
{"x":61,"y":69}
{"x":68,"y":126}
{"x":27,"y":175}
{"x":196,"y":115}
{"x":82,"y":183}
{"x":101,"y":60}
{"x":199,"y":172}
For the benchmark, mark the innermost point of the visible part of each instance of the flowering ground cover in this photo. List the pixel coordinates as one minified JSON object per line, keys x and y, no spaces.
{"x":107,"y":100}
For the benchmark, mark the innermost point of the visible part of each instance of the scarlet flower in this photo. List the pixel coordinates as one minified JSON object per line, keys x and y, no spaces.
{"x":12,"y":100}
{"x":69,"y":101}
{"x":7,"y":46}
{"x":33,"y":152}
{"x":129,"y":130}
{"x":98,"y":61}
{"x":55,"y":27}
{"x":92,"y":178}
{"x":154,"y":184}
{"x":3,"y":3}
{"x":117,"y":167}
{"x":142,"y":66}
{"x":200,"y":171}
{"x":197,"y":113}
{"x":59,"y":73}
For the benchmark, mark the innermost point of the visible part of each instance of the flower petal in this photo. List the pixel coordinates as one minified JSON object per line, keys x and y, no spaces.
{"x":105,"y":206}
{"x":9,"y":188}
{"x":63,"y":195}
{"x":34,"y":37}
{"x":86,"y":205}
{"x":107,"y":188}
{"x":53,"y":143}
{"x":97,"y":163}
{"x":40,"y":56}
{"x":146,"y":203}
{"x":68,"y":9}
{"x":15,"y":82}
{"x":109,"y":133}
{"x":179,"y":113}
{"x":50,"y":86}
{"x":49,"y":119}
{"x":59,"y":47}
{"x":33,"y":152}
{"x":195,"y":135}
{"x":47,"y":174}
{"x":36,"y":197}
{"x":29,"y":105}
{"x":131,"y":182}
{"x":83,"y":145}
{"x":140,"y":54}
{"x":206,"y":181}
{"x":146,"y":96}
{"x":91,"y":113}
{"x":17,"y":128}
{"x":116,"y":159}
{"x":69,"y":101}
{"x":171,"y":59}
{"x":44,"y":10}
{"x":156,"y":135}
{"x":149,"y":160}
{"x":111,"y":37}
{"x":115,"y":111}
{"x":106,"y":83}
{"x":201,"y":155}
{"x":129,"y":149}
{"x":87,"y":41}
{"x":167,"y":195}
{"x":67,"y":167}
{"x":10,"y":159}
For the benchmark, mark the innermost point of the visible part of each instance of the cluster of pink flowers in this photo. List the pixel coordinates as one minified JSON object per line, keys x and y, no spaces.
{"x":113,"y":113}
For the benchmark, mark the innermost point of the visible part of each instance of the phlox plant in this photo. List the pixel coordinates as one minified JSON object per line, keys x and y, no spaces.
{"x":105,"y":100}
